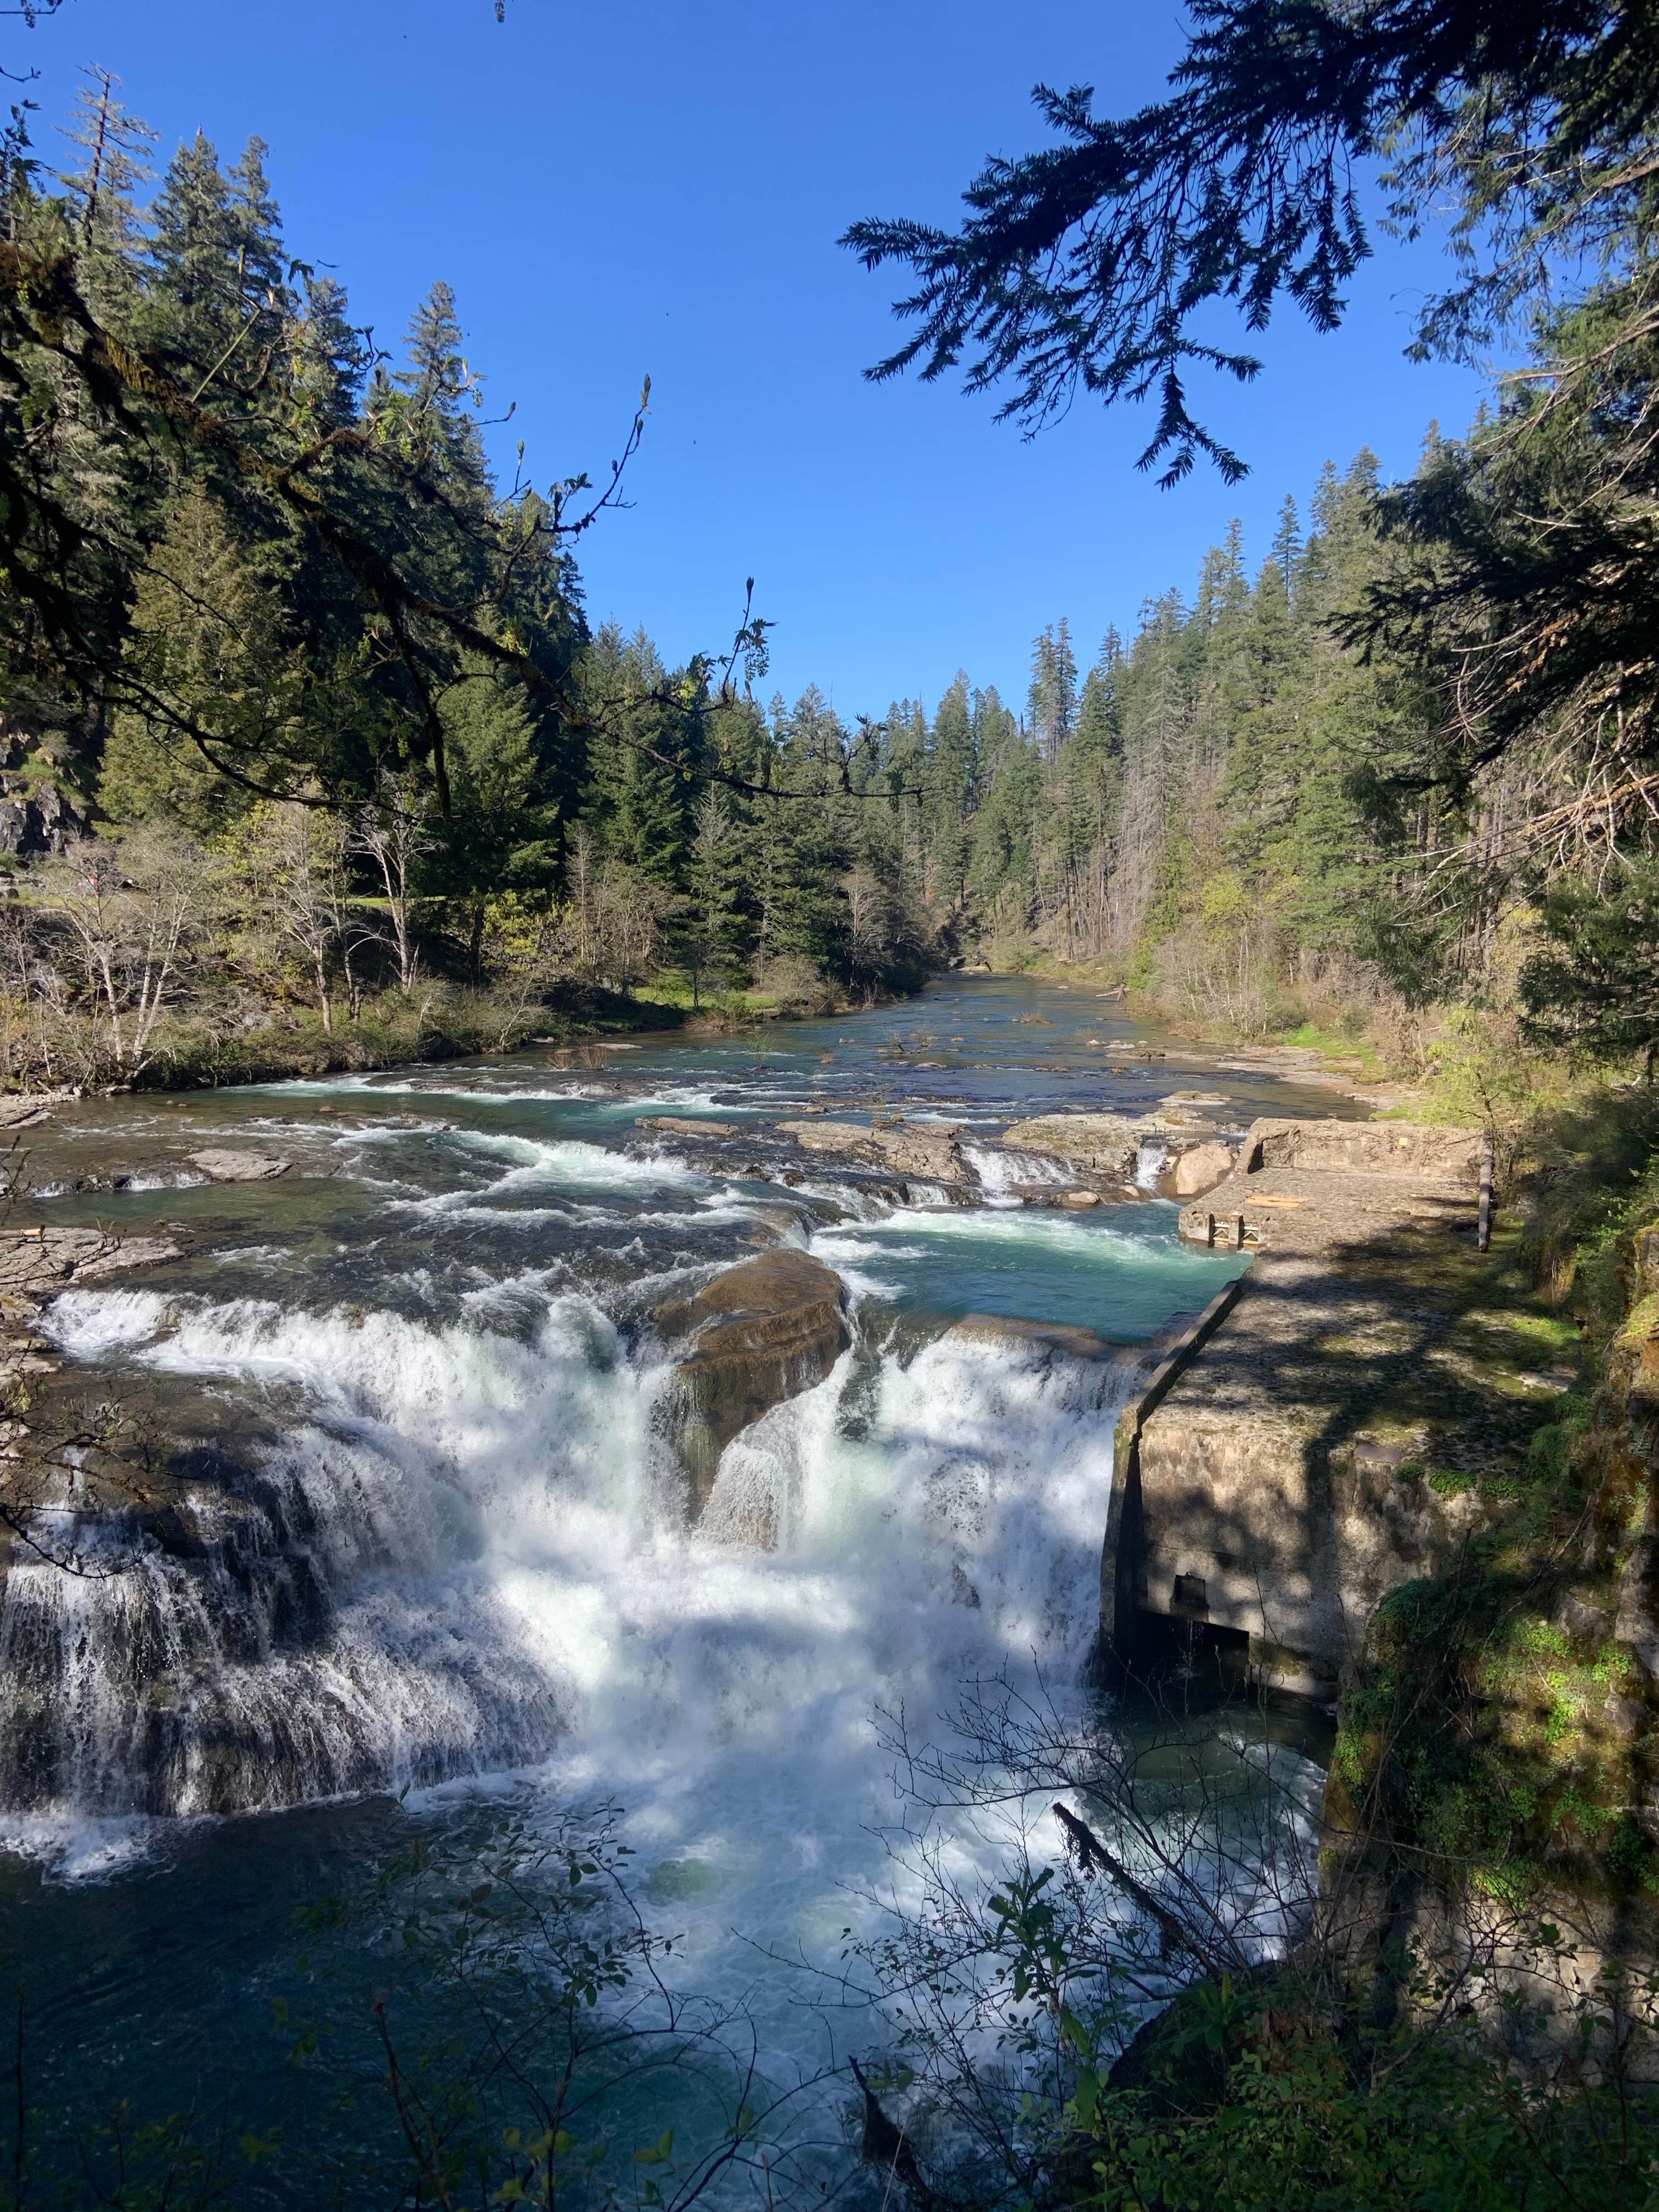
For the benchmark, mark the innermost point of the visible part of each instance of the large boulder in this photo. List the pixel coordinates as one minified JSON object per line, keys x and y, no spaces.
{"x":929,"y":1150}
{"x":1107,"y":1144}
{"x":1199,"y":1169}
{"x":762,"y":1331}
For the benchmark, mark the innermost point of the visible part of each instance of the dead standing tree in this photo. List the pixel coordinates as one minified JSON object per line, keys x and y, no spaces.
{"x":129,"y":912}
{"x":392,"y":832}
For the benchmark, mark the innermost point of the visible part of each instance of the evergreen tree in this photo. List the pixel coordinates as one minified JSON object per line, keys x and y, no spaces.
{"x":712,"y":934}
{"x":217,"y":294}
{"x":1287,"y":543}
{"x":1593,"y":984}
{"x":1052,"y":705}
{"x":220,"y":695}
{"x":951,"y":790}
{"x":501,"y":835}
{"x":437,"y":420}
{"x":102,"y":189}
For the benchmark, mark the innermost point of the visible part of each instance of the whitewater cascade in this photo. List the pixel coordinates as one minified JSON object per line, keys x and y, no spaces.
{"x":461,"y":1550}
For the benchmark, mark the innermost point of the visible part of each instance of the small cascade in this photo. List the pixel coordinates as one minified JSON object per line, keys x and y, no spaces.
{"x":1151,"y":1161}
{"x":1002,"y":1174}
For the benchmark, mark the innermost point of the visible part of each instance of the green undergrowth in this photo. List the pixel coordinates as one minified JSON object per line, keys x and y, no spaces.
{"x":1261,"y":2096}
{"x":1351,"y":1047}
{"x":1505,"y":1696}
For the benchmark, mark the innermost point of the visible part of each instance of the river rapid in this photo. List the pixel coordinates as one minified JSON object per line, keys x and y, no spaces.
{"x":428,"y":1354}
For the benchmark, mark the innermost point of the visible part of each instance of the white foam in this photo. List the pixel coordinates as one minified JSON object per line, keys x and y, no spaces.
{"x":576,"y":1165}
{"x":1151,"y":1161}
{"x":499,"y":1527}
{"x":1001,"y":1172}
{"x":1036,"y":1229}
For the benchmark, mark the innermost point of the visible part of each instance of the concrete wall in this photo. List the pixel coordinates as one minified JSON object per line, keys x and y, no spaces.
{"x":1237,"y":1506}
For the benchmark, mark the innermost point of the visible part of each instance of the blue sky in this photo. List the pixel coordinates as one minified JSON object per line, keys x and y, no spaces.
{"x":634,"y":187}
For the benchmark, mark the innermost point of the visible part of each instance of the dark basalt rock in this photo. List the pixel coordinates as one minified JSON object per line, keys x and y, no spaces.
{"x":763,"y":1331}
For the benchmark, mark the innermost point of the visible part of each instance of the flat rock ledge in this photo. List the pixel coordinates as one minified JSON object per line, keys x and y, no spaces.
{"x":35,"y":1262}
{"x":1109,"y":1144}
{"x":222,"y":1165}
{"x":763,"y":1331}
{"x":24,"y":1108}
{"x":933,"y":1154}
{"x":1046,"y":1337}
{"x":1308,"y":1186}
{"x":676,"y":1125}
{"x":1274,"y":1477}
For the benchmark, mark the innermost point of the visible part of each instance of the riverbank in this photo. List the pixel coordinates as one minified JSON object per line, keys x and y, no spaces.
{"x":426,"y":1026}
{"x":1420,"y":1480}
{"x":411,"y":1516}
{"x":1445,"y":1063}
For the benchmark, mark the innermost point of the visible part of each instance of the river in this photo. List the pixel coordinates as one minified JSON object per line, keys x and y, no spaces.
{"x":428,"y":1348}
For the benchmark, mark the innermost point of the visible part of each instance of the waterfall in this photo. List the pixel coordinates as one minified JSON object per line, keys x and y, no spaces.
{"x":462,"y":1551}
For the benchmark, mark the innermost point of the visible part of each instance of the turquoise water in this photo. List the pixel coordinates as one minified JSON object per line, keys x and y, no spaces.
{"x":1120,"y":1272}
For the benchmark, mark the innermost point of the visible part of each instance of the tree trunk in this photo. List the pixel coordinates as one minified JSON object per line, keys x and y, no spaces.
{"x":1483,"y":1224}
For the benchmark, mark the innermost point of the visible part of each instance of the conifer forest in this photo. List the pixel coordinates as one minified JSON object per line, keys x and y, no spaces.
{"x":832,"y":1454}
{"x":310,"y":737}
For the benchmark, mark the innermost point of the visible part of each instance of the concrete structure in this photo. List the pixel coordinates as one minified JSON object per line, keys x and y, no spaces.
{"x":1267,"y":1490}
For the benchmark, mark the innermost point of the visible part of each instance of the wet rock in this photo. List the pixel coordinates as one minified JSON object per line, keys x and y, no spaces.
{"x":1048,"y":1194}
{"x":764,"y":1331}
{"x":1110,"y":1143}
{"x":773,"y":1224}
{"x":675,"y":1126}
{"x":1079,"y":1201}
{"x":222,"y":1165}
{"x":1051,"y":1335}
{"x":931,"y":1152}
{"x":27,"y":1109}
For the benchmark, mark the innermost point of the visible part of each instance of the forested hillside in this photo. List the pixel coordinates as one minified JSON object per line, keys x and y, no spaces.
{"x":307,"y":728}
{"x":1188,"y":812}
{"x":306,"y":724}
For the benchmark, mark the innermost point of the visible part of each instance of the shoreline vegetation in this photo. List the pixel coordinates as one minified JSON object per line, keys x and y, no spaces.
{"x":312,"y":756}
{"x":440,"y":1023}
